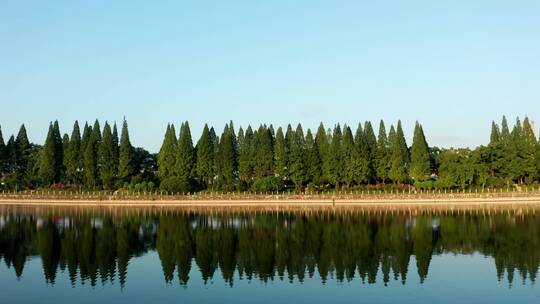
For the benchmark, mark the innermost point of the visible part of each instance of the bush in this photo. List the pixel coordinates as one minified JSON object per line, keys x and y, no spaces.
{"x":175,"y":185}
{"x":267,"y":184}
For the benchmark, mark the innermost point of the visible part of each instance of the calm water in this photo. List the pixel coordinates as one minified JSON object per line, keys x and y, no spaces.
{"x":133,"y":256}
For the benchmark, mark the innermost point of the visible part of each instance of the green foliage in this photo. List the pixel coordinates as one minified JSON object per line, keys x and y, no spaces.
{"x":90,"y":156}
{"x":334,"y":162}
{"x":313,"y":160}
{"x":382,"y":155}
{"x":227,"y":159}
{"x":280,"y":155}
{"x":185,"y":158}
{"x":126,"y":167}
{"x":267,"y":184}
{"x":420,"y":167}
{"x":51,"y":161}
{"x":400,"y":157}
{"x":205,"y":158}
{"x":263,"y":156}
{"x":167,"y":154}
{"x":245,"y":156}
{"x":106,"y":158}
{"x":297,"y":160}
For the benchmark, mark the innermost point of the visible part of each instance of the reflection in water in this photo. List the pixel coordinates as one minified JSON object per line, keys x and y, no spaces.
{"x":286,"y":246}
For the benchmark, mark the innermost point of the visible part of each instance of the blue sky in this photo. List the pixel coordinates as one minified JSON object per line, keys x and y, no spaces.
{"x":452,"y":65}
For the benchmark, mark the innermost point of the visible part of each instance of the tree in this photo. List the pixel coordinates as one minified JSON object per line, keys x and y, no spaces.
{"x":167,"y":154}
{"x":263,"y":145}
{"x":72,"y":156}
{"x":245,"y":156}
{"x":382,"y":159}
{"x":47,"y":163}
{"x":126,"y":168}
{"x":90,"y":155}
{"x":335,"y":163}
{"x":3,"y":155}
{"x":228,"y":162}
{"x":322,"y":143}
{"x":363,"y":160}
{"x":351,"y":158}
{"x":505,"y":131}
{"x":528,"y":151}
{"x":420,"y":168}
{"x":400,"y":157}
{"x":23,"y":150}
{"x":106,"y":158}
{"x":280,"y":155}
{"x":185,"y":158}
{"x":495,"y":134}
{"x":205,"y":157}
{"x":297,"y":162}
{"x":313,"y":160}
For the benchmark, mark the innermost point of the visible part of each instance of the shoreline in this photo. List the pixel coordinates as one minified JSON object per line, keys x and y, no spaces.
{"x":336,"y":201}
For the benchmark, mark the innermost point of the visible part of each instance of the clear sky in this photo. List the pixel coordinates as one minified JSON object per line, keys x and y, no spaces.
{"x":452,"y":65}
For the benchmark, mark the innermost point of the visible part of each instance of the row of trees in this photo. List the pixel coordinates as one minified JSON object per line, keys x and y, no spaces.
{"x":265,"y":159}
{"x":279,"y":246}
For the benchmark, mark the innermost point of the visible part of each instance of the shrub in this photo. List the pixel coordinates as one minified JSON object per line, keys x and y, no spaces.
{"x":267,"y":184}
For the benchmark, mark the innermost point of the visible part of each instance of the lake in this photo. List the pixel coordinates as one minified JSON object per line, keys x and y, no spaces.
{"x":131,"y":255}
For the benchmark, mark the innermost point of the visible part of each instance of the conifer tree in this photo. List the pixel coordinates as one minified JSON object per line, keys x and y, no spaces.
{"x":72,"y":156}
{"x":515,"y":154}
{"x":22,"y":150}
{"x":228,"y":161}
{"x":400,"y":157}
{"x":505,"y":131}
{"x":335,"y":162}
{"x":11,"y":155}
{"x":263,"y":145}
{"x":528,"y":148}
{"x":87,"y":132}
{"x":350,"y":157}
{"x":495,"y":134}
{"x":280,"y":155}
{"x":321,"y":141}
{"x":65,"y":148}
{"x":205,"y":158}
{"x":297,"y":161}
{"x":420,"y":168}
{"x":167,"y":154}
{"x":90,"y":155}
{"x":185,"y":158}
{"x":59,"y":152}
{"x":3,"y":155}
{"x":370,"y":142}
{"x":313,"y":160}
{"x":126,"y":165}
{"x":116,"y":149}
{"x":362,"y":162}
{"x":47,"y":162}
{"x":382,"y":161}
{"x":245,"y":155}
{"x":106,"y":159}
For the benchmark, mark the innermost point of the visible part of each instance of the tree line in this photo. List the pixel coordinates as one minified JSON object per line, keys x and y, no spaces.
{"x":281,"y":246}
{"x":267,"y":159}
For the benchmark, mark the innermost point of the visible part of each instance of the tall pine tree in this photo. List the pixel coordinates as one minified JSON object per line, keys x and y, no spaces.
{"x":106,"y":158}
{"x":167,"y":154}
{"x":126,"y":163}
{"x":297,"y":161}
{"x":185,"y":158}
{"x":90,"y":158}
{"x":280,"y":155}
{"x":400,"y":157}
{"x":205,"y":158}
{"x":420,"y":168}
{"x":73,"y":156}
{"x":382,"y":159}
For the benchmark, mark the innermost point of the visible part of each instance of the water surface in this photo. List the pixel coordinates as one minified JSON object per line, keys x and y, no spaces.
{"x":70,"y":255}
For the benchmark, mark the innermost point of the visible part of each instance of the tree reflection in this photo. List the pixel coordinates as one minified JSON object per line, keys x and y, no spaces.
{"x":266,"y":247}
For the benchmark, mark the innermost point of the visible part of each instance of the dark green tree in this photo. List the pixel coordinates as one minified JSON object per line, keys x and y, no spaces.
{"x":322,"y":143}
{"x":47,"y":163}
{"x":382,"y":155}
{"x":167,"y":154}
{"x":126,"y":166}
{"x":263,"y":145}
{"x":400,"y":157}
{"x":228,"y":159}
{"x":313,"y":160}
{"x":185,"y":158}
{"x":280,"y":155}
{"x":245,"y":156}
{"x":72,"y":156}
{"x":106,"y":158}
{"x":297,"y":158}
{"x":420,"y":167}
{"x":335,"y":163}
{"x":3,"y":156}
{"x":205,"y":158}
{"x":495,"y":133}
{"x":90,"y":158}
